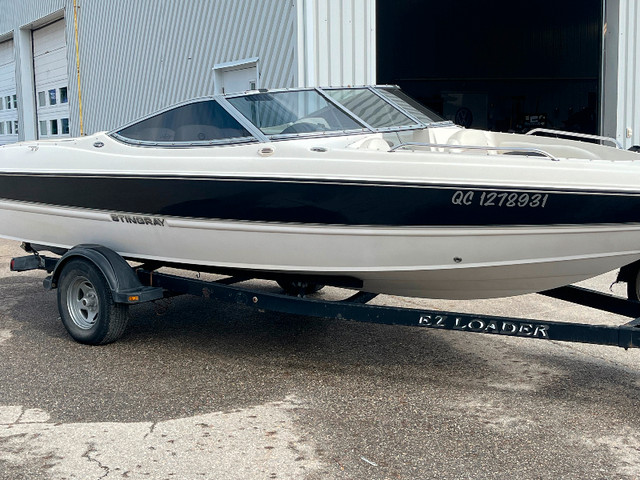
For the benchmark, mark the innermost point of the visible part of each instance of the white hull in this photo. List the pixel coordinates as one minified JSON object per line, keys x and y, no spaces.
{"x":309,"y":188}
{"x":454,"y":263}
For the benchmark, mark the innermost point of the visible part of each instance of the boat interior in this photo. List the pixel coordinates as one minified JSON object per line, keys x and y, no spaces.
{"x":563,"y":145}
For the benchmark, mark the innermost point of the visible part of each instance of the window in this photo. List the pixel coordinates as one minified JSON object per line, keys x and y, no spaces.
{"x":1,"y":128}
{"x":370,"y":108}
{"x":63,"y":95}
{"x":416,"y":109}
{"x":1,"y":104}
{"x":196,"y":122}
{"x":9,"y":128}
{"x":304,"y":111}
{"x":64,"y":126}
{"x":42,"y":99}
{"x":52,"y":97}
{"x":15,"y":127}
{"x":8,"y":102}
{"x":54,"y":127}
{"x":15,"y":101}
{"x":43,"y":128}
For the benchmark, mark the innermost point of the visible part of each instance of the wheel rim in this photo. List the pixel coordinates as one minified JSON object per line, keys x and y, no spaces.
{"x":83,"y":304}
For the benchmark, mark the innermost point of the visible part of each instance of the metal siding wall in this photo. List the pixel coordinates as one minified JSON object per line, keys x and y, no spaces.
{"x":341,"y":42}
{"x":140,"y":56}
{"x":23,"y":12}
{"x":121,"y":61}
{"x":137,"y":57}
{"x":629,"y":73}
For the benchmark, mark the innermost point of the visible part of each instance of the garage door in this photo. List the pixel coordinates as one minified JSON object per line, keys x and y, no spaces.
{"x":8,"y":99}
{"x":51,"y":80}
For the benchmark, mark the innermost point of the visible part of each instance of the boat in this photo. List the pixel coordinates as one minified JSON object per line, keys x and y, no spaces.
{"x":351,"y":186}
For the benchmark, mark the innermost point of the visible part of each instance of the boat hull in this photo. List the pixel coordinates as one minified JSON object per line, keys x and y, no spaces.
{"x":425,"y":261}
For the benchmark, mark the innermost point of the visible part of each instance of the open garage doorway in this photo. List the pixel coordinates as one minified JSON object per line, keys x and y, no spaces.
{"x":499,"y":65}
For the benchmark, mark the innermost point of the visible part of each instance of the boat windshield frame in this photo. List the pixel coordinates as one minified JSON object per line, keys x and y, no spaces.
{"x":331,"y":105}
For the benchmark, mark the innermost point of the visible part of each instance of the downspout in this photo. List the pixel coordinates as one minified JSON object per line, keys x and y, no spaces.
{"x":75,"y":22}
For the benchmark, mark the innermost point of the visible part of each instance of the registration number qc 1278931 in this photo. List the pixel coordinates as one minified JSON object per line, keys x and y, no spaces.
{"x":500,"y":199}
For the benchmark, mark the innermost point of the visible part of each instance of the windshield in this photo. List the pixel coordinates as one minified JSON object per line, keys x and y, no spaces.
{"x":280,"y":114}
{"x":409,"y":105}
{"x":198,"y":122}
{"x":371,"y":108}
{"x":293,"y":112}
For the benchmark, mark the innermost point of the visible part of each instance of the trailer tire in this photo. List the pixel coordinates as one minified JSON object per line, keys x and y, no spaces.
{"x":633,"y":285}
{"x":86,"y":305}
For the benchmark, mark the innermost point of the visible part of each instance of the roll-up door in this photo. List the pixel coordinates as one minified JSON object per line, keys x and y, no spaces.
{"x":8,"y":98}
{"x":51,"y":80}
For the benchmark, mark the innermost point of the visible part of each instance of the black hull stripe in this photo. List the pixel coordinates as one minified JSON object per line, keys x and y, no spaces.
{"x":323,"y":202}
{"x":322,"y":181}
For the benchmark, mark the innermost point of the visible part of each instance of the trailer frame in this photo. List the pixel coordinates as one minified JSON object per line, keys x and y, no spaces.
{"x":131,"y":285}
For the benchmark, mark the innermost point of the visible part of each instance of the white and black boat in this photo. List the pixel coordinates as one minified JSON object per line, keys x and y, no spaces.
{"x":357,"y":186}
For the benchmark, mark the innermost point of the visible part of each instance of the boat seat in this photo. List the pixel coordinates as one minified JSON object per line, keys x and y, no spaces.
{"x":472,"y":137}
{"x":432,"y":135}
{"x":377,"y":144}
{"x":155,"y":134}
{"x":198,"y":133}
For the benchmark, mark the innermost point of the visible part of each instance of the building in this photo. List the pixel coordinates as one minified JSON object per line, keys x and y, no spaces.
{"x":78,"y":66}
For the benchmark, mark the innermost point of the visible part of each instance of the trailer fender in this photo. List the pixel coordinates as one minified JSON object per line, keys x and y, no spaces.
{"x":121,"y":279}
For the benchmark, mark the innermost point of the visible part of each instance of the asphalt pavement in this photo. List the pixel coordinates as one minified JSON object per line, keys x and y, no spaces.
{"x":196,"y":389}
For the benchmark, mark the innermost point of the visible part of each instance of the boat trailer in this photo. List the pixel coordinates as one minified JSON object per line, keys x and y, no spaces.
{"x":95,"y":285}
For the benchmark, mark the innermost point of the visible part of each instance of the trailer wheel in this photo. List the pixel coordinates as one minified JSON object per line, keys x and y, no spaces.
{"x":633,"y":286}
{"x":86,"y":305}
{"x":631,"y":275}
{"x":299,"y":289}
